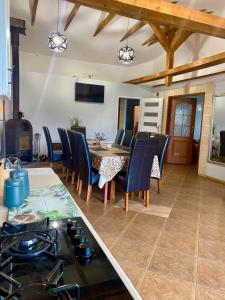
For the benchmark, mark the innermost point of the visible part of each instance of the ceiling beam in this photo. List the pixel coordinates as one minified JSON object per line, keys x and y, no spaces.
{"x":180,"y":37}
{"x":162,"y":12}
{"x":194,"y":66}
{"x":133,"y":29}
{"x":33,"y":10}
{"x":104,"y":23}
{"x":161,"y":36}
{"x":169,"y":65}
{"x":192,"y":78}
{"x":72,"y":15}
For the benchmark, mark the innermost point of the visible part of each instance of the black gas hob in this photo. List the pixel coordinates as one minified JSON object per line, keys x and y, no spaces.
{"x":55,"y":260}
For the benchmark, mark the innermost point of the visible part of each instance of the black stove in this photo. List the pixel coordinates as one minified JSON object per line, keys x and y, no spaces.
{"x":58,"y":260}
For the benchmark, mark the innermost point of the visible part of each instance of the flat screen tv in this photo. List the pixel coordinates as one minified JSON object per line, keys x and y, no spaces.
{"x":89,"y":92}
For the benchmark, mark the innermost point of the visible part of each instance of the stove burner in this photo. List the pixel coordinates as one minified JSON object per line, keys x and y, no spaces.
{"x":44,"y":291}
{"x":29,"y":245}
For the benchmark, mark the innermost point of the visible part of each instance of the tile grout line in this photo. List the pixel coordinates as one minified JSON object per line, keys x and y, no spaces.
{"x":158,"y":239}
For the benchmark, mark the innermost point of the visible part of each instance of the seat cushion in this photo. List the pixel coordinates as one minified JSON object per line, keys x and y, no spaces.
{"x":57,"y":156}
{"x":94,"y":177}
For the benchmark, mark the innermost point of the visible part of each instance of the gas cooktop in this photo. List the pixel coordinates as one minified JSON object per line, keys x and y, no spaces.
{"x":55,"y":260}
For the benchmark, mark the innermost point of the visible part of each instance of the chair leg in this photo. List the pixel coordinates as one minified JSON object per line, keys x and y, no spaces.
{"x":80,"y":187}
{"x":64,"y":170}
{"x":141,"y":195}
{"x":132,"y":195}
{"x":147,"y":198}
{"x":106,"y":192}
{"x":158,"y":186}
{"x":67,"y":174}
{"x":50,"y":165}
{"x":89,"y":189}
{"x":73,"y":176}
{"x":78,"y":183}
{"x":112,"y":189}
{"x":126,"y":201}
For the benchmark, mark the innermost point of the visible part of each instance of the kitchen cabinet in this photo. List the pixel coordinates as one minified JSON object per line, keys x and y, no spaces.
{"x":5,"y":57}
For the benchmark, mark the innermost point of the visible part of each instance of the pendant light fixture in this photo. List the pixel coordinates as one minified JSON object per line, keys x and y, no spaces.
{"x":126,"y":54}
{"x":57,"y":42}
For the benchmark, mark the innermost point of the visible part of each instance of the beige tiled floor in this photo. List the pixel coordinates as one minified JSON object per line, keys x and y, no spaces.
{"x":180,"y":257}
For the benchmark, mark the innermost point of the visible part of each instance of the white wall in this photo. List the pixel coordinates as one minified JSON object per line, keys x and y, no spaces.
{"x":48,"y":99}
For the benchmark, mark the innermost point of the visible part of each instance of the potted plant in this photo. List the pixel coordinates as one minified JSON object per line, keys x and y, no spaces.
{"x":76,"y":125}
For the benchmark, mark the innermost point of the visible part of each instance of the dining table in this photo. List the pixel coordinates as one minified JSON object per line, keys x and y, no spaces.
{"x":110,"y":159}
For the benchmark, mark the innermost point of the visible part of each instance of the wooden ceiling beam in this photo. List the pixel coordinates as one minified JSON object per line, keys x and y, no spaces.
{"x":133,"y":29}
{"x":194,"y":66}
{"x":161,"y":36}
{"x":169,"y":65}
{"x":72,"y":15}
{"x":33,"y":10}
{"x":180,"y":37}
{"x":104,"y":23}
{"x":163,"y":12}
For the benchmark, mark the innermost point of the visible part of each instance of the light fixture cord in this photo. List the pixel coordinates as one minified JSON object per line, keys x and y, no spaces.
{"x":127,"y":28}
{"x":58,"y":18}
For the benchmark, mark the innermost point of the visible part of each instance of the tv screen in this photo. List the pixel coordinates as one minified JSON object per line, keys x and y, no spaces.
{"x":89,"y":92}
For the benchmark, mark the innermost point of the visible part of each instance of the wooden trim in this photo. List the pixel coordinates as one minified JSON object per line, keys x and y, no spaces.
{"x":162,"y":12}
{"x":33,"y":10}
{"x":133,"y":29}
{"x":193,"y":78}
{"x":194,"y":66}
{"x":72,"y":15}
{"x":104,"y":23}
{"x":160,"y":35}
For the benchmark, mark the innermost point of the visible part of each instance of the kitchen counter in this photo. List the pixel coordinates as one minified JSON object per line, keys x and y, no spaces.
{"x":43,"y":178}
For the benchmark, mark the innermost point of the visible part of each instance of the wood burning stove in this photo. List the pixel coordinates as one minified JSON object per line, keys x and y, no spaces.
{"x":19,"y":139}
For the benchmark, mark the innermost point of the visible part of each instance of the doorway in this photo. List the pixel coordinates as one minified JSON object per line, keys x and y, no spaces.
{"x":184,"y":127}
{"x":128,"y":113}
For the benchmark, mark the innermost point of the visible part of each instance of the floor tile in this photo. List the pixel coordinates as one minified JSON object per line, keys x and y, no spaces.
{"x":203,"y":293}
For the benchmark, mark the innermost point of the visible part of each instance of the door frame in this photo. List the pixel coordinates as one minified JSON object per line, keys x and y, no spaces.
{"x":118,"y":106}
{"x":168,"y":115}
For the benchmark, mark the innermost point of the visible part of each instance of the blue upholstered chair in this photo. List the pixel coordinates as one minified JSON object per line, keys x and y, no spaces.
{"x":119,"y":136}
{"x":222,"y":144}
{"x":53,"y":156}
{"x":127,"y":138}
{"x":67,"y":160}
{"x":162,"y":141}
{"x":136,"y":179}
{"x":87,"y":174}
{"x":74,"y":146}
{"x":143,"y":135}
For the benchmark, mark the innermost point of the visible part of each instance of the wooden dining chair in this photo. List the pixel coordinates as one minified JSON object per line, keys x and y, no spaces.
{"x":162,"y":141}
{"x":136,"y":178}
{"x":87,"y":174}
{"x":74,"y":145}
{"x":53,"y":155}
{"x":67,"y":160}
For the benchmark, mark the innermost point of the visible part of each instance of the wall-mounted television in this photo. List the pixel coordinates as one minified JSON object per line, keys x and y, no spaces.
{"x":89,"y":92}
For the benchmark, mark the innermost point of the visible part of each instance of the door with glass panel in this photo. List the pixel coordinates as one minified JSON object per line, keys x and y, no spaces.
{"x":181,"y":129}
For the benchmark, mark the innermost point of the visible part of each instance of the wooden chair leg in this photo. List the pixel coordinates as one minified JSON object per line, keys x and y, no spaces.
{"x":64,"y":170}
{"x":67,"y":174}
{"x":147,"y":198}
{"x":141,"y":195}
{"x":158,"y":186}
{"x":106,"y":192}
{"x":132,"y":195}
{"x":78,"y":183}
{"x":73,"y":176}
{"x":50,"y":165}
{"x":112,"y":190}
{"x":80,"y":187}
{"x":126,"y":201}
{"x":89,"y":189}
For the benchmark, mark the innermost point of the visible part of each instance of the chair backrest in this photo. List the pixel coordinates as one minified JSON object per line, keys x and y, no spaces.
{"x":74,"y":145}
{"x":49,"y":143}
{"x":65,"y":146}
{"x":85,"y":163}
{"x":140,"y":165}
{"x":127,"y":138}
{"x":142,"y":135}
{"x":162,"y":147}
{"x":119,"y":136}
{"x":80,"y":129}
{"x":222,"y":143}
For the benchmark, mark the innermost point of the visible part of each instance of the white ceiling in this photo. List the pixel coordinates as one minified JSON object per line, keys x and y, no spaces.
{"x":81,"y":43}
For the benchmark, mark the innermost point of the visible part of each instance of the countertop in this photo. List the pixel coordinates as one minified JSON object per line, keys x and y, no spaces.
{"x":45,"y":177}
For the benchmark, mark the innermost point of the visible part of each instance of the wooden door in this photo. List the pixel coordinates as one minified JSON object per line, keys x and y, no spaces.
{"x":150,"y":117}
{"x":136,"y":110}
{"x":181,"y":130}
